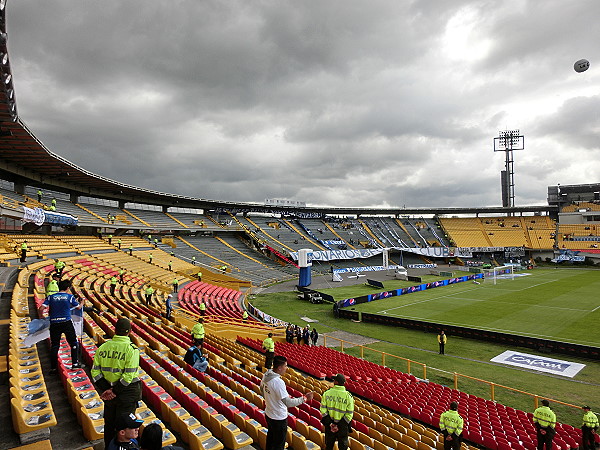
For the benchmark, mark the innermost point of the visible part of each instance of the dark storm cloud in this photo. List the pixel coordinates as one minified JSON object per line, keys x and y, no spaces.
{"x":336,"y":102}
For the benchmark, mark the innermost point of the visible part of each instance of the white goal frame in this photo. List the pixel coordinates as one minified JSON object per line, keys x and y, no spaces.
{"x":494,"y":273}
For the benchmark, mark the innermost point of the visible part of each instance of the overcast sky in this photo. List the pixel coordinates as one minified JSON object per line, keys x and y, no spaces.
{"x":338,"y":103}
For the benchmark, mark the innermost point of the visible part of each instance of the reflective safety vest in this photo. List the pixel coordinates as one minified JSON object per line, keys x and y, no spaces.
{"x":149,"y":291}
{"x":52,"y":288}
{"x":451,"y":422}
{"x":198,"y":331}
{"x":113,"y":281}
{"x":245,"y":315}
{"x":59,"y":265}
{"x":202,"y":306}
{"x":590,"y":420}
{"x":117,"y":361}
{"x":338,"y":404}
{"x":269,"y":345}
{"x":24,"y":246}
{"x":442,"y":338}
{"x":544,"y":417}
{"x":175,"y":281}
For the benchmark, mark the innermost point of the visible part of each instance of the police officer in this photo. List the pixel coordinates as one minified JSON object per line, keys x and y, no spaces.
{"x":113,"y":285}
{"x":52,"y":287}
{"x":175,"y":285}
{"x":121,"y":274}
{"x":115,"y":373}
{"x":202,"y":308}
{"x":442,"y":339}
{"x":198,"y":334}
{"x":199,"y":275}
{"x":59,"y":266}
{"x":544,"y":420}
{"x":58,"y":306}
{"x":149,"y":291}
{"x":24,"y":251}
{"x":337,"y":407}
{"x":451,"y":425}
{"x":245,"y":316}
{"x":588,"y":429}
{"x":269,"y":348}
{"x":130,"y":249}
{"x":150,"y":258}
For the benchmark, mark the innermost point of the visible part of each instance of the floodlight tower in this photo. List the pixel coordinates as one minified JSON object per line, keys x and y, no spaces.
{"x":506,"y":142}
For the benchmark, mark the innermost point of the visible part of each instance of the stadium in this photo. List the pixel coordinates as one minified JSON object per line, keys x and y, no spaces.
{"x":513,"y":287}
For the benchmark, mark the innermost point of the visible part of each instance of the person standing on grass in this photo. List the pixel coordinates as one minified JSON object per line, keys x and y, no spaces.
{"x":442,"y":339}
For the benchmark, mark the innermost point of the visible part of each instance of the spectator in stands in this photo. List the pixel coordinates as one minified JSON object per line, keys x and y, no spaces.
{"x":269,"y":348}
{"x":289,"y":334}
{"x":196,"y":359}
{"x":544,"y":420}
{"x":168,"y":306}
{"x":451,"y":425}
{"x":298,"y":334}
{"x":58,"y":307}
{"x":314,"y":336}
{"x":337,"y":407}
{"x":151,"y":439}
{"x":24,"y":251}
{"x":113,"y":285}
{"x":198,"y":333}
{"x":127,"y":427}
{"x":175,"y":285}
{"x":115,"y":373}
{"x":588,"y":429}
{"x":202,"y":308}
{"x":277,"y":401}
{"x":442,"y":339}
{"x":306,"y":335}
{"x":52,"y":287}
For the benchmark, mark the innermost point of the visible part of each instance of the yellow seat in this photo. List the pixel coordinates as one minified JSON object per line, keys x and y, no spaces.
{"x":233,"y":438}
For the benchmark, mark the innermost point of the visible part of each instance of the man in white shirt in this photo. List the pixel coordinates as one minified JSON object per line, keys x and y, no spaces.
{"x":277,"y":401}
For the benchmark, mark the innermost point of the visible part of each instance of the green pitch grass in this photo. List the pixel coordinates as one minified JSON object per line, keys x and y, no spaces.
{"x":561,"y":304}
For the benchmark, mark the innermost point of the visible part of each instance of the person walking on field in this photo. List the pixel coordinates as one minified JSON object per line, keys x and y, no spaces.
{"x":277,"y":401}
{"x":442,"y":339}
{"x":544,"y":420}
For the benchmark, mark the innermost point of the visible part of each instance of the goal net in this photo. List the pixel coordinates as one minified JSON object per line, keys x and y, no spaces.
{"x":499,"y":273}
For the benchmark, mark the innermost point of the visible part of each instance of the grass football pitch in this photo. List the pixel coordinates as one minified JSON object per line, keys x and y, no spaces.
{"x":556,"y":304}
{"x":561,"y":304}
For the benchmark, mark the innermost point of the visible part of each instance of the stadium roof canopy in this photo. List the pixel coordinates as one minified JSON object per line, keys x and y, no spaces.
{"x":26,"y":161}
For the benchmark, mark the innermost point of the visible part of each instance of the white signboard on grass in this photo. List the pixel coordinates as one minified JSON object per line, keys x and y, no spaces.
{"x":540,"y":363}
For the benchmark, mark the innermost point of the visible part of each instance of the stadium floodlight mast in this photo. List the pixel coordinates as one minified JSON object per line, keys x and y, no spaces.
{"x":507,"y":141}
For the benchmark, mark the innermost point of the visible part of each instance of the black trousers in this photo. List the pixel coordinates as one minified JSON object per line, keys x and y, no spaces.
{"x":453,"y":444}
{"x":23,"y":255}
{"x":56,"y":332}
{"x":125,"y":403}
{"x":587,"y":438}
{"x":442,"y":345}
{"x":269,"y":359}
{"x":276,"y":434}
{"x":545,"y":439}
{"x":341,"y":436}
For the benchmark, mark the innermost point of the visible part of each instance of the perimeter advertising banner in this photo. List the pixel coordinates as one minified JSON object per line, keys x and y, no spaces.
{"x":408,"y":290}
